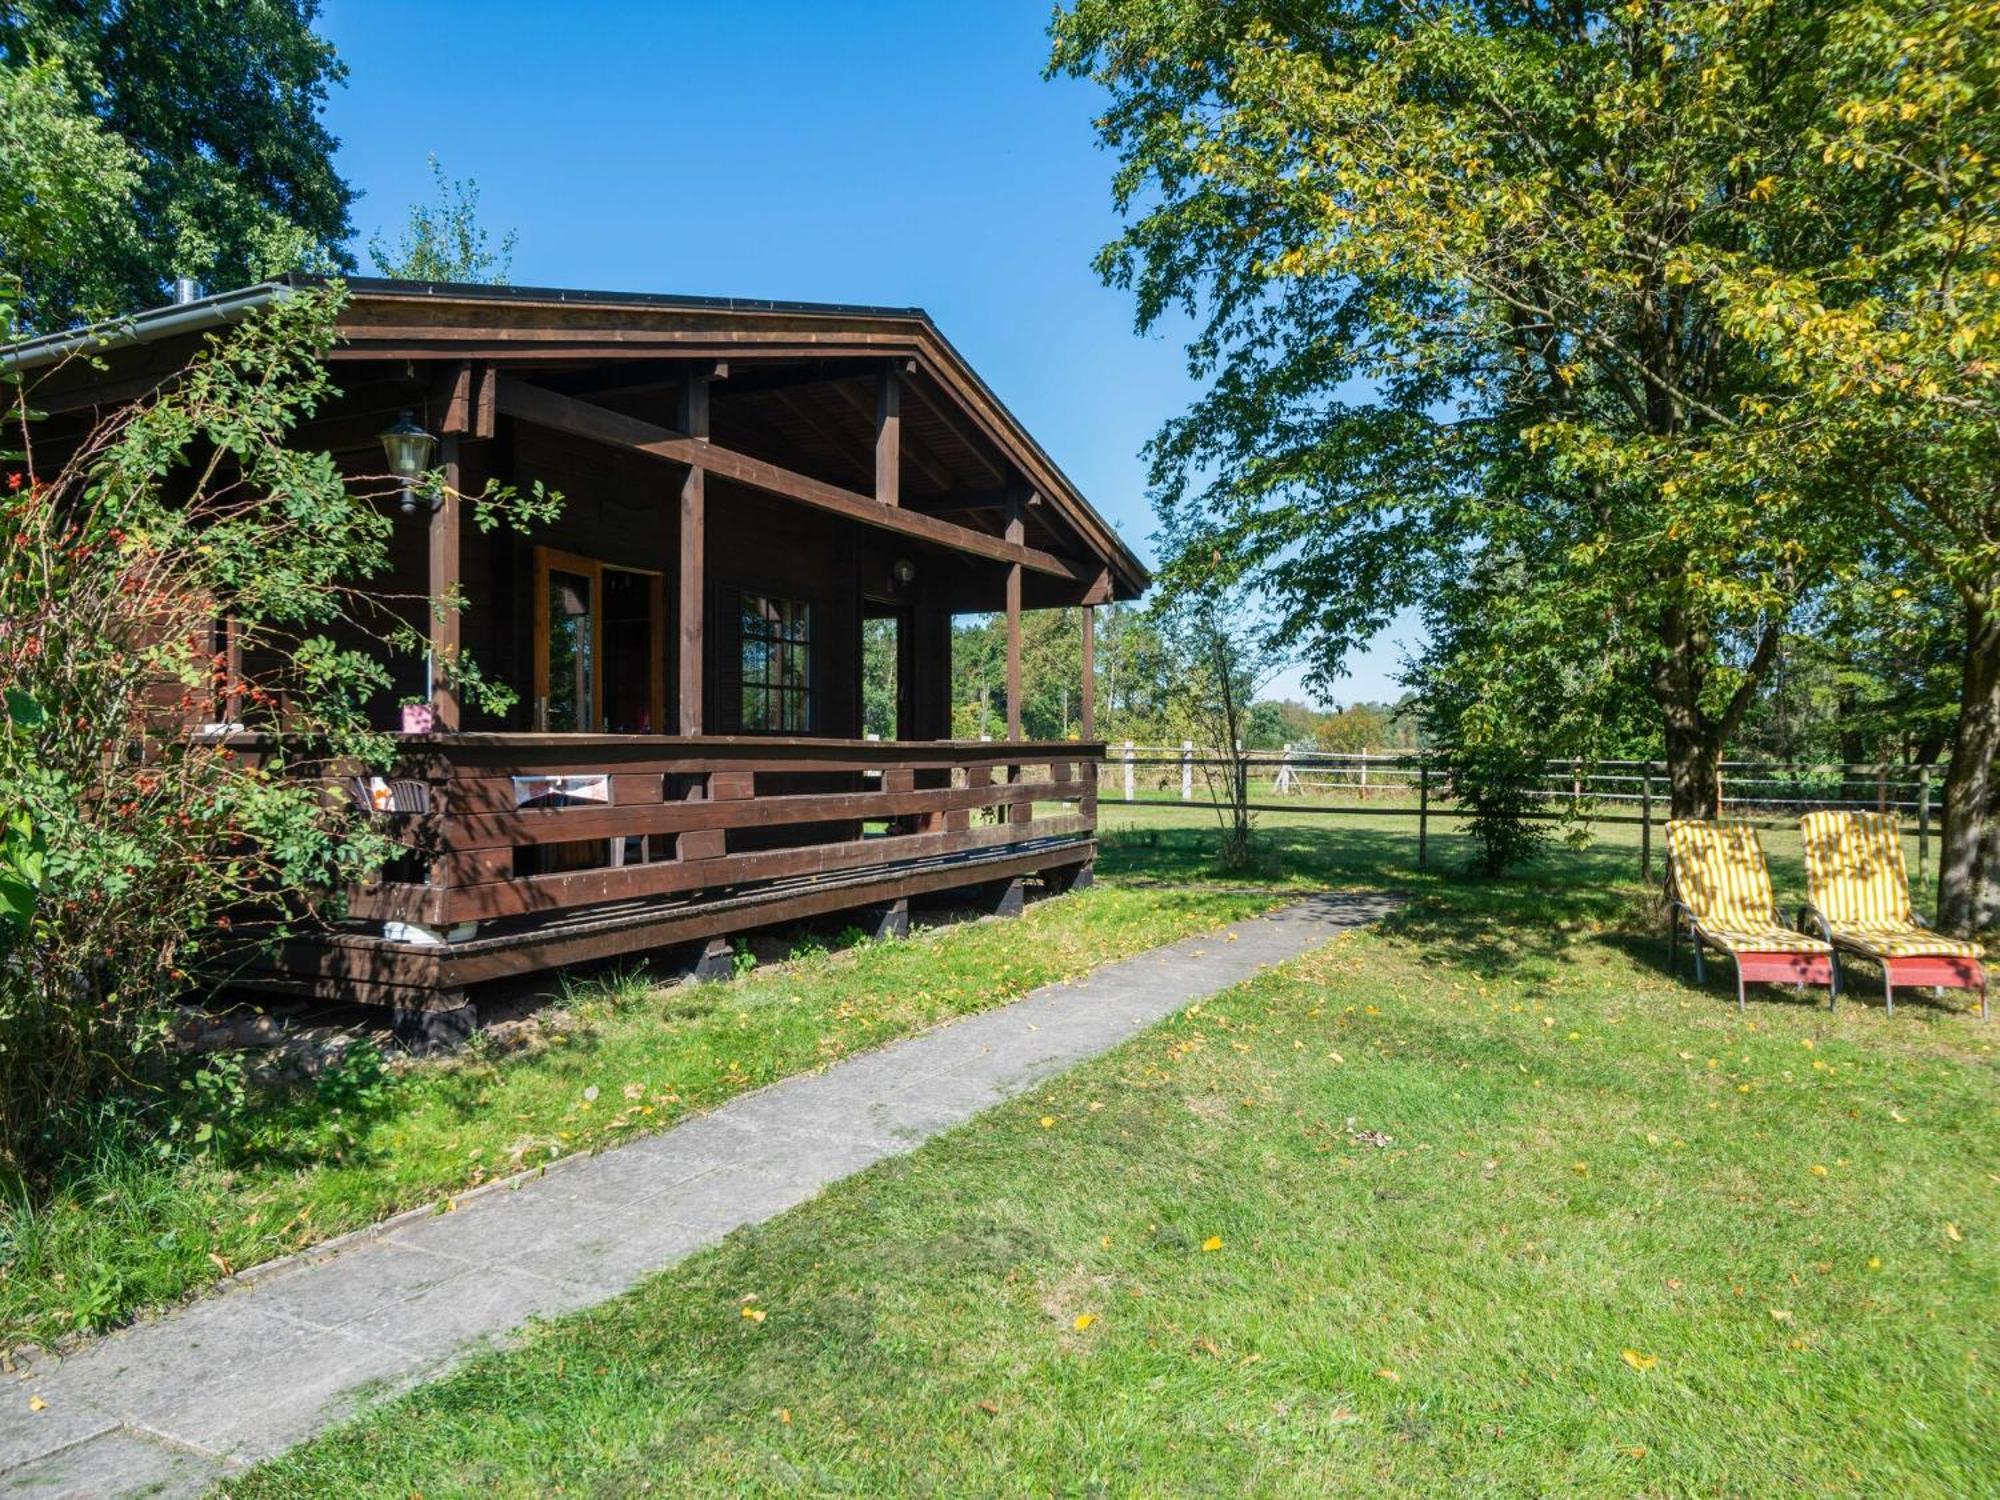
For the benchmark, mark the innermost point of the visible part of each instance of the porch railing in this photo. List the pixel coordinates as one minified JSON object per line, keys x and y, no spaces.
{"x":505,"y":826}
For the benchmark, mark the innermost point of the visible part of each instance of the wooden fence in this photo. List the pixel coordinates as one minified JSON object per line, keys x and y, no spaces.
{"x":1628,"y":792}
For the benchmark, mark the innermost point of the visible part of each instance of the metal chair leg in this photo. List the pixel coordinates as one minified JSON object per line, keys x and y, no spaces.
{"x":1833,"y":988}
{"x":1742,"y":1003}
{"x":1888,"y":991}
{"x":1700,"y":968}
{"x":1985,"y":995}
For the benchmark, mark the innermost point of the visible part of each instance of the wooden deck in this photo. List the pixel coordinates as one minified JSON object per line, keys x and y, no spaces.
{"x":531,"y":851}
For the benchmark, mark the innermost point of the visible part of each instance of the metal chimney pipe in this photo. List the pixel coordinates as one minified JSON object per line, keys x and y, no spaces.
{"x":186,"y":290}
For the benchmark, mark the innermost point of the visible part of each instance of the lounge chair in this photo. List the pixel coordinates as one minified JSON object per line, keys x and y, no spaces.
{"x":1859,"y":889}
{"x":1720,"y":890}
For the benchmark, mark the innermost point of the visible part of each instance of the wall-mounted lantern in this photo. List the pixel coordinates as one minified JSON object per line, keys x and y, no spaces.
{"x":409,"y":449}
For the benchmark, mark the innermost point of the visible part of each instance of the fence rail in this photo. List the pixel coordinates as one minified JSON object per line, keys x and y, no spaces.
{"x":1410,"y":786}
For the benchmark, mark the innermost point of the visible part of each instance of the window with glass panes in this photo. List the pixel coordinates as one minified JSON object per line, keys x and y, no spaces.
{"x":777,"y":665}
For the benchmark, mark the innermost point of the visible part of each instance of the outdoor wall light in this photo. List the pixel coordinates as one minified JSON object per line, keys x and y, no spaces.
{"x":408,"y":448}
{"x":905,"y":571}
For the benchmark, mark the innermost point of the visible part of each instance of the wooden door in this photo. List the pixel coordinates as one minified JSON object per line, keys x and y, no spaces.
{"x":600,"y":646}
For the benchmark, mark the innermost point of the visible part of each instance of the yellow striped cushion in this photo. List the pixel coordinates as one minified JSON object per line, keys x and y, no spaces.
{"x":1720,"y":874}
{"x":1907,"y":942}
{"x":1770,"y":938}
{"x":1855,"y":871}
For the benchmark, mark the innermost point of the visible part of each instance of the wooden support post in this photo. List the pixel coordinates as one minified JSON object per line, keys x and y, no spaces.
{"x":690,"y":595}
{"x":1088,"y":709}
{"x":1128,"y":770}
{"x":1423,"y":813}
{"x":1016,"y":530}
{"x":1645,"y":820}
{"x":1187,"y":770}
{"x":444,"y":581}
{"x":889,"y":438}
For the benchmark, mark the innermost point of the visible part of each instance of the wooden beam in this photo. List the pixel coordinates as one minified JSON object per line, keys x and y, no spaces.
{"x":458,"y":400}
{"x":1015,"y":527}
{"x":691,"y":591}
{"x":889,"y":437}
{"x":559,"y":413}
{"x":948,"y":414}
{"x":483,"y":401}
{"x":838,"y":442}
{"x":444,"y":583}
{"x":934,"y":471}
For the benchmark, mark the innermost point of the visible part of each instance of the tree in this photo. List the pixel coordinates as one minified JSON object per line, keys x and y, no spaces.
{"x":1216,"y":650}
{"x":66,"y":191}
{"x":1436,"y":256}
{"x":139,"y":848}
{"x":1884,"y":355}
{"x":444,"y":240}
{"x":1500,"y":699}
{"x":219,"y":108}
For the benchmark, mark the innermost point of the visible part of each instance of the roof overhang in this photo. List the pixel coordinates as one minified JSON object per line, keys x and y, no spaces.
{"x":532,"y":326}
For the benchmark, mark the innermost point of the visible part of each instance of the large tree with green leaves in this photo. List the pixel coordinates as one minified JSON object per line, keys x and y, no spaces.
{"x":1886,"y":354}
{"x":1436,"y":255}
{"x":223,"y":168}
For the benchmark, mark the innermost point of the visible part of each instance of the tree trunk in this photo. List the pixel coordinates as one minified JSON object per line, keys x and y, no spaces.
{"x":1695,"y":738}
{"x":1968,"y":881}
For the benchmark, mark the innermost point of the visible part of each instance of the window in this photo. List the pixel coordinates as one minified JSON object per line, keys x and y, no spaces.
{"x":777,"y":665}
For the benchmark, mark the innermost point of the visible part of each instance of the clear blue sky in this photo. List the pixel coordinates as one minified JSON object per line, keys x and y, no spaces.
{"x":889,"y":152}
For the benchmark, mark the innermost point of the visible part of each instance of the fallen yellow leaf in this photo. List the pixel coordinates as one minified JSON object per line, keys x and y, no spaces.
{"x":1388,"y":1375}
{"x":1639,"y":1361}
{"x":1951,"y":1231}
{"x":1817,"y":1170}
{"x":1781,"y":1315}
{"x":754,"y":1314}
{"x":36,"y":1403}
{"x":1048,"y":1121}
{"x":1213,"y":1242}
{"x":1083,"y":1321}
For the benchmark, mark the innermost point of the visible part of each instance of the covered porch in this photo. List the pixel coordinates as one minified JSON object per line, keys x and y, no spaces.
{"x":751,"y":492}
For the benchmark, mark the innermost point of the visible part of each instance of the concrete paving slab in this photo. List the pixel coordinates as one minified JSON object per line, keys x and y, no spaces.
{"x":172,"y":1404}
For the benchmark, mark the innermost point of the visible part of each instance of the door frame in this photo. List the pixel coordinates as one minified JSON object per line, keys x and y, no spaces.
{"x":884,"y":607}
{"x":548,"y":559}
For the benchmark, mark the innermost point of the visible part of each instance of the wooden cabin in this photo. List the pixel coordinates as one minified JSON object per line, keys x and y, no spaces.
{"x":749,"y":486}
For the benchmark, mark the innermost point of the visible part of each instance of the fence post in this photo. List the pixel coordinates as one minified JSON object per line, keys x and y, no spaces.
{"x":1364,"y":772}
{"x":1284,"y":782}
{"x":1882,"y":787}
{"x":1128,"y":770}
{"x":1187,"y":770}
{"x":1645,"y":820}
{"x":1924,"y":828}
{"x":1423,"y":813}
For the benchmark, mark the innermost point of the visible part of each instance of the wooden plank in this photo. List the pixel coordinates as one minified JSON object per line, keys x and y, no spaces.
{"x":559,"y":413}
{"x":546,"y":893}
{"x":504,"y":827}
{"x":475,"y":963}
{"x":889,"y":438}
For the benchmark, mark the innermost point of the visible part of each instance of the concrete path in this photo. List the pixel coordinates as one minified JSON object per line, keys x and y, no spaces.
{"x":169,"y":1406}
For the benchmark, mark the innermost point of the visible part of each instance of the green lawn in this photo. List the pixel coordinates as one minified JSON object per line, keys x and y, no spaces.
{"x":1480,"y":1201}
{"x":131,"y":1230}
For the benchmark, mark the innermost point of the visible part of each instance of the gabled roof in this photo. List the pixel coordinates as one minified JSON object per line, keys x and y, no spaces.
{"x":551,"y":325}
